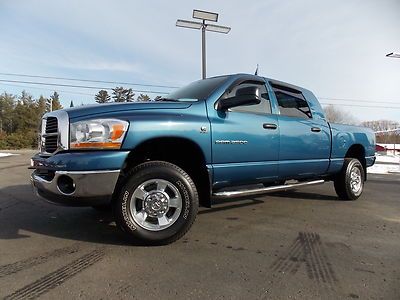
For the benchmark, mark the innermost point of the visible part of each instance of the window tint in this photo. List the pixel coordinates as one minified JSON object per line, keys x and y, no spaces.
{"x":264,"y":107}
{"x":291,"y":102}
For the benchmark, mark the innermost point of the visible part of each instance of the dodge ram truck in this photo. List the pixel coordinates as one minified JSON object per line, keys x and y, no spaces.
{"x":154,"y":163}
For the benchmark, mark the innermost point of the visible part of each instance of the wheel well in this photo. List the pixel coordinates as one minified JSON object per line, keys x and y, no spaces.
{"x":358,"y":151}
{"x":182,"y":152}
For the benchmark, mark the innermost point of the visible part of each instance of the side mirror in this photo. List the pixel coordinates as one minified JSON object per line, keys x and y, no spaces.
{"x":244,"y":96}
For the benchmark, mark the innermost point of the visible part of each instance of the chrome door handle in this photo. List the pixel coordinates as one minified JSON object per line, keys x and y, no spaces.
{"x":270,"y":126}
{"x":315,"y":129}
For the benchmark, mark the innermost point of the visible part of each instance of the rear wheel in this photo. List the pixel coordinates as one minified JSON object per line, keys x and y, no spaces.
{"x":158,"y":204}
{"x":349,"y":183}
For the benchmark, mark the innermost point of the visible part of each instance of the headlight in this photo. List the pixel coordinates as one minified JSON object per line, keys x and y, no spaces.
{"x":97,"y":134}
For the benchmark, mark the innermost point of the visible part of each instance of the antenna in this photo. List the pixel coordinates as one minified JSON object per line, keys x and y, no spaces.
{"x":256,"y":72}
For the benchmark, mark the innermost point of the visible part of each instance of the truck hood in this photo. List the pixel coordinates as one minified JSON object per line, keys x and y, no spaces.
{"x":81,"y":111}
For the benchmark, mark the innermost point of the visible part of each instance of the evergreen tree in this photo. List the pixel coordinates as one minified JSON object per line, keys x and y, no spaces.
{"x":7,"y":105}
{"x":118,"y":94}
{"x":129,"y":95}
{"x":41,"y":106}
{"x":56,"y":105}
{"x":71,"y":104}
{"x":102,"y":97}
{"x":143,"y":98}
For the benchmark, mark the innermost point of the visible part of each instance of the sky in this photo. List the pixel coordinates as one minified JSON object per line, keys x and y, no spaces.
{"x":334,"y":48}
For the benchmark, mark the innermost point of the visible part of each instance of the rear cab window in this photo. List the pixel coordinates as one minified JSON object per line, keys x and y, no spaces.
{"x":291,"y":102}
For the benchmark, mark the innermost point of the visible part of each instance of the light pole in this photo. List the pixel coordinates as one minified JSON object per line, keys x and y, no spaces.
{"x":393,"y":55}
{"x":204,"y":16}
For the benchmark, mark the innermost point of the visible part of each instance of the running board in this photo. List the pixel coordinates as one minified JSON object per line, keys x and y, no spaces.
{"x":260,"y":191}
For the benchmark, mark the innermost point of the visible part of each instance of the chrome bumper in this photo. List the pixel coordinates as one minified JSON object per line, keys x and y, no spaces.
{"x":89,"y":187}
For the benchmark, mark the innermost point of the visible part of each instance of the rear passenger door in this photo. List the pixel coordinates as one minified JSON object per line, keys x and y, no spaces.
{"x":304,"y":141}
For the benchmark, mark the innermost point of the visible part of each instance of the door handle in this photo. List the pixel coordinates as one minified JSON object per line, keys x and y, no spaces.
{"x":315,"y":129}
{"x":270,"y":126}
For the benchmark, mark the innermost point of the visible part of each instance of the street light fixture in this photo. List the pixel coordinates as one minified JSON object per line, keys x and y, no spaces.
{"x":393,"y":55}
{"x":204,"y":16}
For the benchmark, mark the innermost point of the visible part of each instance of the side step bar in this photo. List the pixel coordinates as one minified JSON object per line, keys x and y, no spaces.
{"x":260,"y":191}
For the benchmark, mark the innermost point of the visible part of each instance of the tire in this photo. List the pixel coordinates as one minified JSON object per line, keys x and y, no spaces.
{"x":158,"y":203}
{"x":349,"y":183}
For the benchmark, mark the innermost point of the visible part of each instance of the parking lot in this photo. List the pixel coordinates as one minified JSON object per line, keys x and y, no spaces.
{"x":303,"y":244}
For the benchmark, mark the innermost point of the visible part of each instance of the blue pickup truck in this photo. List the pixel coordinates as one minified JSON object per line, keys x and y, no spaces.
{"x":154,"y":163}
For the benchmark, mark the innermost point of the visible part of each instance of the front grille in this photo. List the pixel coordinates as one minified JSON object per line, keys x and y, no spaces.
{"x":51,"y":135}
{"x":51,"y":125}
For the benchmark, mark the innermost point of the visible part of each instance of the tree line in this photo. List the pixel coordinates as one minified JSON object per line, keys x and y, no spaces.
{"x":20,"y":118}
{"x":337,"y":115}
{"x":20,"y":115}
{"x":120,"y":94}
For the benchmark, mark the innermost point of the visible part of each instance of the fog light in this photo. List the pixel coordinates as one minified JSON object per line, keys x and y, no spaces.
{"x":66,"y":184}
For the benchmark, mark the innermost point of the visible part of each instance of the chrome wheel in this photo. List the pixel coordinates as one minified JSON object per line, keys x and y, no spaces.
{"x":155,"y":204}
{"x":355,"y":180}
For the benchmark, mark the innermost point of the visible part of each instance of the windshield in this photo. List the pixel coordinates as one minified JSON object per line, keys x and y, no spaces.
{"x":198,"y":90}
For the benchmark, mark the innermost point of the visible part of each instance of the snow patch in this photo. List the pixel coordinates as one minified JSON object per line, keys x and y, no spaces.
{"x":395,"y":159}
{"x":385,"y":164}
{"x":6,"y":154}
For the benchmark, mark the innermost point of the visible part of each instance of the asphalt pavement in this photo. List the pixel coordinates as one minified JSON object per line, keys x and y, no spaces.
{"x":304,"y":244}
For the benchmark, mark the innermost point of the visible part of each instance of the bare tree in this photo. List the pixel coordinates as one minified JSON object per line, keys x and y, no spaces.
{"x":381,"y":125}
{"x":337,"y":115}
{"x":385,"y":130}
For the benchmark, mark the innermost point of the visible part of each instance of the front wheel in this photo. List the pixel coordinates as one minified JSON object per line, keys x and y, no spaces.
{"x":158,"y":204}
{"x":349,"y":183}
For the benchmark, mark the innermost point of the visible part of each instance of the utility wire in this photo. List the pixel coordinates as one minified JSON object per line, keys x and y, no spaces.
{"x":358,"y":100}
{"x":78,"y":86}
{"x":365,"y":106}
{"x":40,"y":88}
{"x":88,"y":80}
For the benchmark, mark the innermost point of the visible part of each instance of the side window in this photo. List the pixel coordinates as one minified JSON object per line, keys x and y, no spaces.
{"x":264,"y":107}
{"x":292,"y":102}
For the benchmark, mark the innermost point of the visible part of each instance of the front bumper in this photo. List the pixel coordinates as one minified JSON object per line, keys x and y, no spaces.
{"x":89,"y":187}
{"x":92,"y":176}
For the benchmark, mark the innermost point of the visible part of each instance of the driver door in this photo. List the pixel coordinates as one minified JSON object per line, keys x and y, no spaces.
{"x":245,"y":142}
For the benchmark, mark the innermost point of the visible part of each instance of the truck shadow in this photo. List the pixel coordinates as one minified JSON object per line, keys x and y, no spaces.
{"x":220,"y":205}
{"x":22,"y":214}
{"x":304,"y":196}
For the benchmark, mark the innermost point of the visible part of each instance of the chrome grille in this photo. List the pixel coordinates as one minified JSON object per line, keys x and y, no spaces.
{"x":54,"y":135}
{"x":51,"y":135}
{"x":51,"y":125}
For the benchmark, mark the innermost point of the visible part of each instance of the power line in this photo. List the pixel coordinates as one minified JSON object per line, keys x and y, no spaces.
{"x":88,"y":80}
{"x":358,"y":100}
{"x":78,"y":86}
{"x":365,"y":106}
{"x":39,"y":88}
